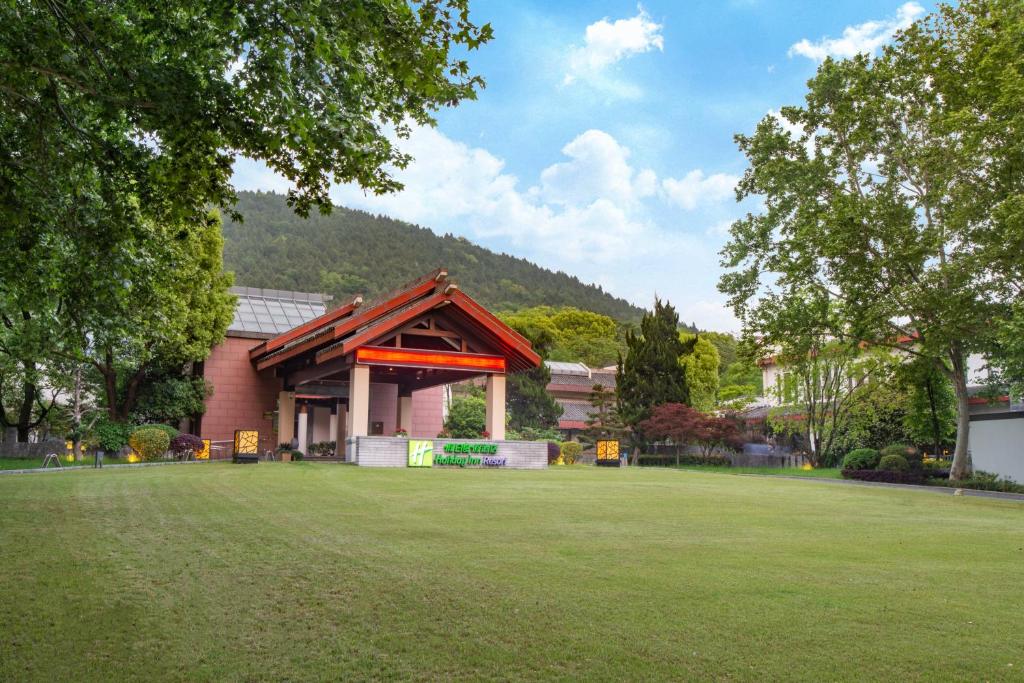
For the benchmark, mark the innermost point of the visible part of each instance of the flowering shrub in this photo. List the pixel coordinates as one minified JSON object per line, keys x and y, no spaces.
{"x":401,"y":432}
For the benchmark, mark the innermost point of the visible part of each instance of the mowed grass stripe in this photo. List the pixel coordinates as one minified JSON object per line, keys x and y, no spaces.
{"x":315,"y":571}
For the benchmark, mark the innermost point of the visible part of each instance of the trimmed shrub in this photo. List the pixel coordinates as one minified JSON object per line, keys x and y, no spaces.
{"x":894,"y":463}
{"x":149,"y":442}
{"x":688,"y":459}
{"x":908,"y":453}
{"x":885,"y":476}
{"x":554,"y":452}
{"x":297,"y":455}
{"x":186,"y":445}
{"x":170,"y":431}
{"x":571,"y":451}
{"x":862,"y":459}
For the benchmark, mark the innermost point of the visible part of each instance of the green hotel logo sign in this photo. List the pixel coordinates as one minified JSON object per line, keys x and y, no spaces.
{"x":421,"y":453}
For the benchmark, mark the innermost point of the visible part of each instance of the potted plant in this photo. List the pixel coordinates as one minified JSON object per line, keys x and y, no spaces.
{"x":402,"y":433}
{"x":284,"y":451}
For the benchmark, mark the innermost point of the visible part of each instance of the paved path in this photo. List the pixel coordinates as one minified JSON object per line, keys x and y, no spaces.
{"x":942,"y":490}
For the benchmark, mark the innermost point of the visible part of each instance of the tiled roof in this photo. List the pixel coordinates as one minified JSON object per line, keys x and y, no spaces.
{"x":561,"y":368}
{"x":576,"y":411}
{"x":273,"y":311}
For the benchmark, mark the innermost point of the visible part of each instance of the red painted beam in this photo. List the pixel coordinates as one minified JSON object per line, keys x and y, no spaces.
{"x":378,"y":355}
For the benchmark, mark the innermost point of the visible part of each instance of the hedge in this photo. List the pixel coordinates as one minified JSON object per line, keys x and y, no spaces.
{"x":149,"y":442}
{"x":885,"y":476}
{"x":688,"y":459}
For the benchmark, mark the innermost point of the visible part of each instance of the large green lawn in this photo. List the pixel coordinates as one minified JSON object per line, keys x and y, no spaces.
{"x":316,"y":571}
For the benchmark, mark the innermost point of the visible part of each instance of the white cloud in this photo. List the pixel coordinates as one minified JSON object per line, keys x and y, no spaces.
{"x":598,"y":167}
{"x":695,"y":189}
{"x":608,"y":42}
{"x":859,"y":39}
{"x":592,"y":214}
{"x":583,"y":208}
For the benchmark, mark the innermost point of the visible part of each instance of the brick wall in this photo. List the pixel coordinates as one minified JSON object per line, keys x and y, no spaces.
{"x":240,"y":394}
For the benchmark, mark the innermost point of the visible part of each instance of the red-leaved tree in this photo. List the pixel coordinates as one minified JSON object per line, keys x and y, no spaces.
{"x":682,"y":424}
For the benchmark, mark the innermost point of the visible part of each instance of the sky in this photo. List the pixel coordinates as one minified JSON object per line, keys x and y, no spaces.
{"x":603,"y":145}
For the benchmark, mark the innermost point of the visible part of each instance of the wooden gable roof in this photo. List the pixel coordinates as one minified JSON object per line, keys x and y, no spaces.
{"x":338,"y":333}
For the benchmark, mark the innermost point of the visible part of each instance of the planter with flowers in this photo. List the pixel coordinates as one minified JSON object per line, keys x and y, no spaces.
{"x":402,"y":433}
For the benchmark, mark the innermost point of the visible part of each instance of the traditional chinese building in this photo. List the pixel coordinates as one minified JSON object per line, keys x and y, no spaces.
{"x":299,"y":373}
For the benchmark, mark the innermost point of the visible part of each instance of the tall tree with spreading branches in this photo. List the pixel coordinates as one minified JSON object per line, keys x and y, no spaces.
{"x":902,"y":200}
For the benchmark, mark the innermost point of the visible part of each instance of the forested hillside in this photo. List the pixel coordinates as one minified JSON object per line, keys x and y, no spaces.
{"x":354,"y":251}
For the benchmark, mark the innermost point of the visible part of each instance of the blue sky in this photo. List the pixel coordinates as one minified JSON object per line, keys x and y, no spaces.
{"x":603,"y":143}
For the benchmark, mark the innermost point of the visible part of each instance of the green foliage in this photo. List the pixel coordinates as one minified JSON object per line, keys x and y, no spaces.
{"x":862,"y":459}
{"x":875,"y":417}
{"x":110,"y":436}
{"x":532,"y":434}
{"x":573,"y":335}
{"x":173,"y":398}
{"x":150,"y":442}
{"x":893,"y":463}
{"x":170,"y":431}
{"x":466,"y":417}
{"x":931,"y":408}
{"x":369,"y":254}
{"x":909,"y":453}
{"x":297,"y":455}
{"x":650,"y":373}
{"x":684,"y":460}
{"x":323,"y":448}
{"x":570,"y":451}
{"x":173,"y":309}
{"x":986,"y":481}
{"x":900,"y":196}
{"x":529,"y":404}
{"x":700,"y":365}
{"x":312,"y":90}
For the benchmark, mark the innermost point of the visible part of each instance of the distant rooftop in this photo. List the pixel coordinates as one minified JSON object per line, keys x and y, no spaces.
{"x":562,"y":368}
{"x":265,"y":313}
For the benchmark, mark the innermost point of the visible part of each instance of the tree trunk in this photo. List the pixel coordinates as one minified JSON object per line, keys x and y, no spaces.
{"x":25,"y":412}
{"x":961,"y":468}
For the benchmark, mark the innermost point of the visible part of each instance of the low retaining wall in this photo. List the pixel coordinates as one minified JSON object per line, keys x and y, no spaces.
{"x":387,"y":451}
{"x":15,"y":449}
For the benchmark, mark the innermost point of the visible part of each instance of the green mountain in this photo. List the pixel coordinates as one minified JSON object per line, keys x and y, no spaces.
{"x":351,"y":252}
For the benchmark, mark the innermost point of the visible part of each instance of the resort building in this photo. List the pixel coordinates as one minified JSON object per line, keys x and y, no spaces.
{"x":572,"y":385}
{"x":299,"y":374}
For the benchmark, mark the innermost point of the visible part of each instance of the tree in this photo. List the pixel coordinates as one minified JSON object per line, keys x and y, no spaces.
{"x":575,"y":335}
{"x":931,"y":404}
{"x":169,"y":307}
{"x":604,"y":422}
{"x":466,"y":417}
{"x":901,"y":200}
{"x":650,"y":373}
{"x":700,"y":366}
{"x":308,"y":88}
{"x":681,"y":424}
{"x":530,"y":406}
